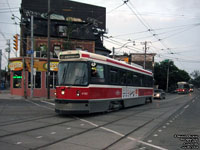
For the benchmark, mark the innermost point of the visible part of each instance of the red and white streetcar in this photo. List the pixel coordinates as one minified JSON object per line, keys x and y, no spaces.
{"x":90,"y":83}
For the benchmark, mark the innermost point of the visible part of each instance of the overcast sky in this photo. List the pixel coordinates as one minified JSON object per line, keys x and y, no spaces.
{"x":171,"y":28}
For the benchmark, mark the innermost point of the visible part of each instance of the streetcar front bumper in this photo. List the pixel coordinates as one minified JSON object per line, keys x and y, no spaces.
{"x":72,"y":106}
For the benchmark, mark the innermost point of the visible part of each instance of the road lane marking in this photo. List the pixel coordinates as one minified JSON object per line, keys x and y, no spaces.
{"x":167,"y":123}
{"x":186,"y":106}
{"x":82,"y":124}
{"x":18,"y":143}
{"x":164,"y":127}
{"x":112,"y":131}
{"x":39,"y":137}
{"x":155,"y":135}
{"x":48,"y":103}
{"x":149,"y":141}
{"x":68,"y":128}
{"x":122,"y":135}
{"x":159,"y":130}
{"x":38,"y":105}
{"x":93,"y":124}
{"x":53,"y":132}
{"x":148,"y":144}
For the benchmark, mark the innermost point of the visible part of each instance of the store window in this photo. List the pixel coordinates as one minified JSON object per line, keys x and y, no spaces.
{"x":17,"y":79}
{"x":52,"y":80}
{"x":36,"y":80}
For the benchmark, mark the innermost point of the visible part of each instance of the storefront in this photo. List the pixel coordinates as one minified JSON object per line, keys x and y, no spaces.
{"x":18,"y":80}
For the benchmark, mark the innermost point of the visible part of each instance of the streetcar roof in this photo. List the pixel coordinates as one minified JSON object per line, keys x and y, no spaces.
{"x":75,"y":55}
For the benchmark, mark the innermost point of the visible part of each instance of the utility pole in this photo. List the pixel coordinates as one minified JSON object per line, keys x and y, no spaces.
{"x":23,"y":56}
{"x":167,"y":76}
{"x":8,"y":50}
{"x":48,"y":52}
{"x":145,"y":53}
{"x":8,"y":43}
{"x":32,"y":56}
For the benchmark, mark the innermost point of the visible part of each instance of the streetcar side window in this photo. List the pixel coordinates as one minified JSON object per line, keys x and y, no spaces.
{"x":113,"y":76}
{"x":136,"y":80}
{"x":97,"y":74}
{"x":122,"y":74}
{"x":129,"y":78}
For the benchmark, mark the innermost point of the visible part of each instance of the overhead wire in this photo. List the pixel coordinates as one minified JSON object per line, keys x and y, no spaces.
{"x":145,"y":24}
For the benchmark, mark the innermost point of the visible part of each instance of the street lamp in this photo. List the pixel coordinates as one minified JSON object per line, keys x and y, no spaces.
{"x":129,"y":41}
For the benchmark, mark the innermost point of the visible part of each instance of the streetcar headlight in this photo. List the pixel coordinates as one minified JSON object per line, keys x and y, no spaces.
{"x":55,"y":93}
{"x":77,"y":93}
{"x":62,"y":92}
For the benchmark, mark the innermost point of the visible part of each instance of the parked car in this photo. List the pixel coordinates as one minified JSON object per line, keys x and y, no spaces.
{"x":159,"y":93}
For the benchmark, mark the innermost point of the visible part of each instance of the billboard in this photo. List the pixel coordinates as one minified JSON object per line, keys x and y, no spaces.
{"x":66,"y":10}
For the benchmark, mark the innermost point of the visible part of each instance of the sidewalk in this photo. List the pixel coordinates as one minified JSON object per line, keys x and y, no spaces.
{"x":5,"y":94}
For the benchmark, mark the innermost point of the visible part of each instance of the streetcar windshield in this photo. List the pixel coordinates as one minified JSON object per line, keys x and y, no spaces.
{"x":73,"y":73}
{"x":182,"y":86}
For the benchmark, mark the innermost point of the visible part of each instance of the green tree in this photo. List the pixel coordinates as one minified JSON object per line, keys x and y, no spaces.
{"x":175,"y":75}
{"x":195,"y":78}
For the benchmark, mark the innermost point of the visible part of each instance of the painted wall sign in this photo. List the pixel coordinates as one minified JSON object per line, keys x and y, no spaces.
{"x":16,"y":65}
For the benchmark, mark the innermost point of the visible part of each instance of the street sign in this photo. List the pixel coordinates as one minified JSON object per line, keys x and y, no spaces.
{"x":30,"y":51}
{"x":34,"y":71}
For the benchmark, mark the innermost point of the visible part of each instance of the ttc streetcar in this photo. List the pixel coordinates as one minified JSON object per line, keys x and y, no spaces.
{"x":183,"y":88}
{"x":91,"y":83}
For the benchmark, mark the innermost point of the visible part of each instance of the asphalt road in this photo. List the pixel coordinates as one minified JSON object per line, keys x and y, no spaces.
{"x":28,"y":124}
{"x":181,"y":131}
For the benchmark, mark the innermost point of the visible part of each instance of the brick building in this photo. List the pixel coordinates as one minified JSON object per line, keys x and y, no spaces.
{"x":74,"y":26}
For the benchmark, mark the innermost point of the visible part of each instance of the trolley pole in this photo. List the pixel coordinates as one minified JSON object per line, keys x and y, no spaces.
{"x":32,"y":57}
{"x":145,"y":53}
{"x":113,"y":50}
{"x":48,"y":52}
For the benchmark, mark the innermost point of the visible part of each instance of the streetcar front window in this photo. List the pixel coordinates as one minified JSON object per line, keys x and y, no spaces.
{"x":73,"y":73}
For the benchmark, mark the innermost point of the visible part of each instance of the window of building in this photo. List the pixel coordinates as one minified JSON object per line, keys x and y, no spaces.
{"x":17,"y":78}
{"x":36,"y":80}
{"x":52,"y":80}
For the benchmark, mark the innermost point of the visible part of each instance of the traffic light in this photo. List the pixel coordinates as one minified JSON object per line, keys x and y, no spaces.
{"x":15,"y":42}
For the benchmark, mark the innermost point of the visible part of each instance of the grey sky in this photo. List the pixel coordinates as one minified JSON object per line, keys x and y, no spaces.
{"x":175,"y":22}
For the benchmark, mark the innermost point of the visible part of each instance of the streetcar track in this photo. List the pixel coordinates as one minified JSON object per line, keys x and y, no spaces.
{"x":138,"y":111}
{"x":97,"y":127}
{"x":85,"y":131}
{"x":12,"y":122}
{"x":41,"y":127}
{"x":126,"y":135}
{"x":134,"y":130}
